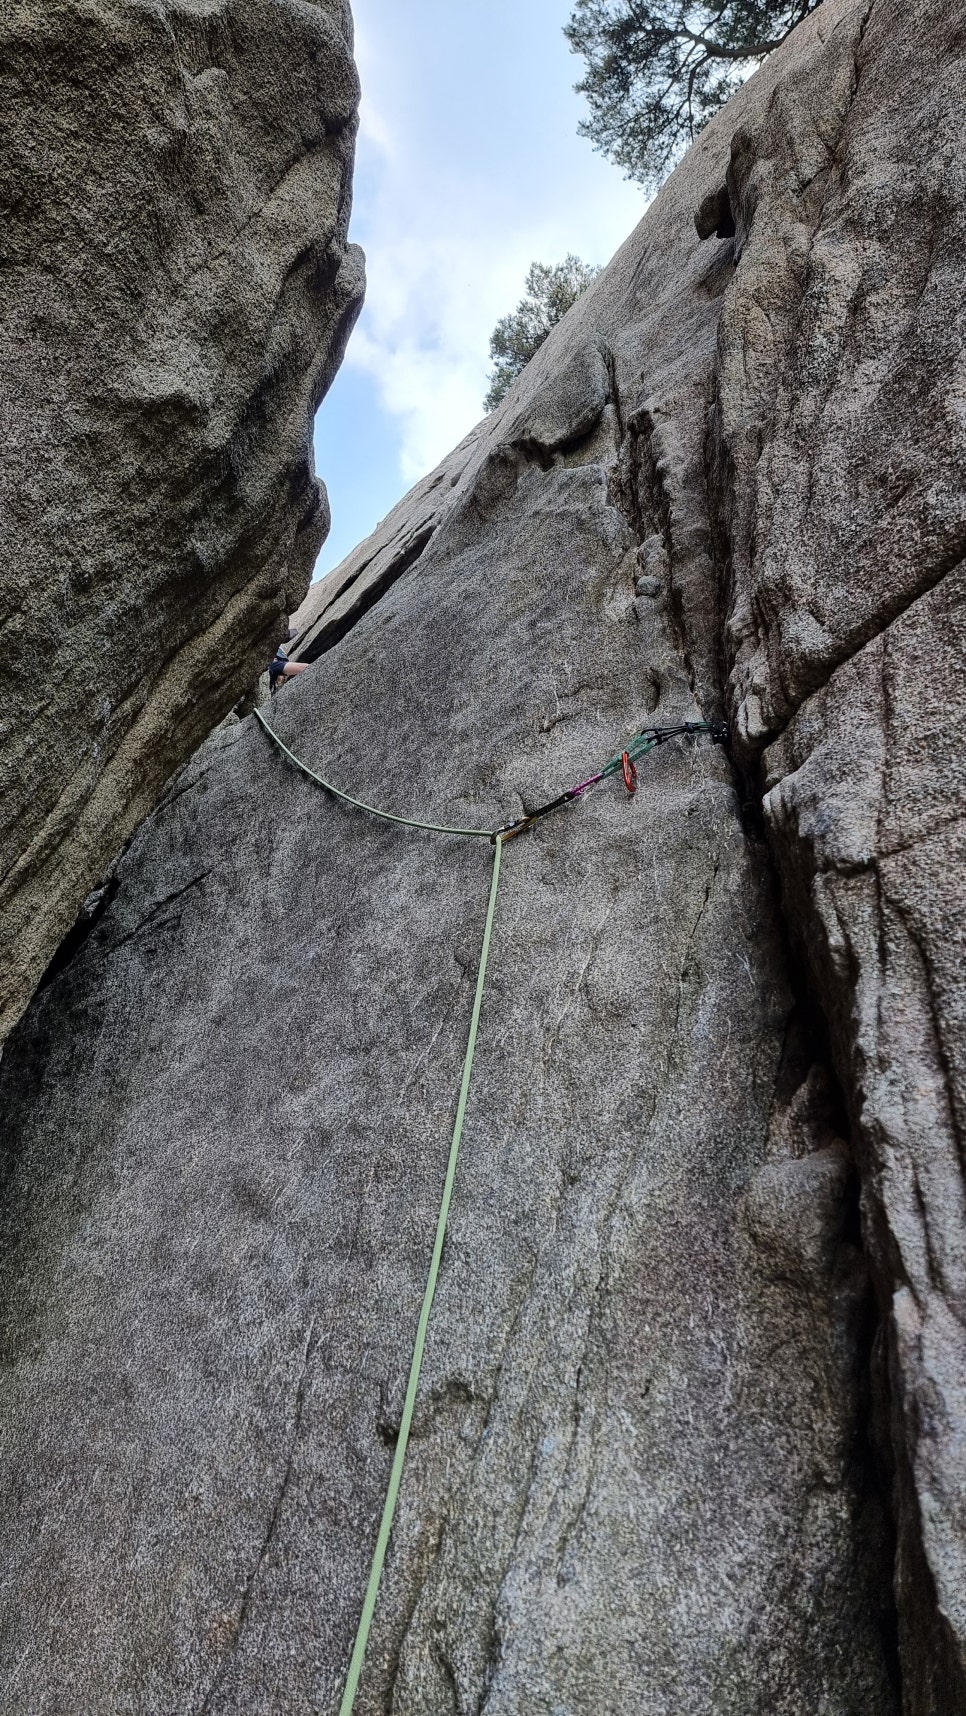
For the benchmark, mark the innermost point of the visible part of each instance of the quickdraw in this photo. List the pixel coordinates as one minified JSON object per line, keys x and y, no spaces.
{"x":646,"y":740}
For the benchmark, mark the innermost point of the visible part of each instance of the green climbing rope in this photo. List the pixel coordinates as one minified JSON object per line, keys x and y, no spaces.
{"x":637,"y":748}
{"x":360,"y":804}
{"x":395,"y":1476}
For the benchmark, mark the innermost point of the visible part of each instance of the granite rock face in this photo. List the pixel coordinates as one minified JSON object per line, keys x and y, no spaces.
{"x":846,"y":442}
{"x":685,"y":1442}
{"x":175,"y":295}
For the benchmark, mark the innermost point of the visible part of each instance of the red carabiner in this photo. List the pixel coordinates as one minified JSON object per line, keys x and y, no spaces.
{"x":630,"y":773}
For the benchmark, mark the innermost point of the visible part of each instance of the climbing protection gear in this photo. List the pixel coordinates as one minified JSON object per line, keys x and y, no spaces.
{"x":646,"y":741}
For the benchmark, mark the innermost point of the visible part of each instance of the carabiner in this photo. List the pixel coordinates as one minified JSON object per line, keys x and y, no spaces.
{"x":630,"y":773}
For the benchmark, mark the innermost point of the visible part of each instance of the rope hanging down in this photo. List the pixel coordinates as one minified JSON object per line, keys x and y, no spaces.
{"x":395,"y":1476}
{"x":625,"y":761}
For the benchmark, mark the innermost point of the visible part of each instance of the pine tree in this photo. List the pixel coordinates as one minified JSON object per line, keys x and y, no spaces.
{"x":550,"y":291}
{"x":658,"y":69}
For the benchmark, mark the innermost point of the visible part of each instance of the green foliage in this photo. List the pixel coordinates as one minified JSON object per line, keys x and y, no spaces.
{"x":658,"y":69}
{"x":550,"y":291}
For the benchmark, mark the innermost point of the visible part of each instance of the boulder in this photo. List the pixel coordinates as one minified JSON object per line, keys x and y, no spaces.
{"x":175,"y":295}
{"x":685,"y":1440}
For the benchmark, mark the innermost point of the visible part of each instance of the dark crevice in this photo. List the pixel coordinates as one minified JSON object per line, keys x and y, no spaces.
{"x":297,"y":639}
{"x":875,"y":1529}
{"x":875,"y":1522}
{"x":929,"y":1669}
{"x":324,"y":635}
{"x":88,"y":919}
{"x":877,"y":1508}
{"x":638,"y":491}
{"x":534,"y":451}
{"x":546,"y":453}
{"x":871,"y":1463}
{"x":154,"y":913}
{"x":715,"y":217}
{"x":613,"y":391}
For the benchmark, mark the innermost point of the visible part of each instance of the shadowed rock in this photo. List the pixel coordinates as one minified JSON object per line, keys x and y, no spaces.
{"x":175,"y":296}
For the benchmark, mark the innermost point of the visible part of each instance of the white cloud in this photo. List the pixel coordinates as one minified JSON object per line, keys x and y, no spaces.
{"x":433,"y":301}
{"x":452,"y":215}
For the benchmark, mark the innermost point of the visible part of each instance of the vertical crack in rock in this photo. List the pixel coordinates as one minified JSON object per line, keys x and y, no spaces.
{"x":837,"y":455}
{"x":643,"y":1473}
{"x":271,"y":1528}
{"x":359,"y":594}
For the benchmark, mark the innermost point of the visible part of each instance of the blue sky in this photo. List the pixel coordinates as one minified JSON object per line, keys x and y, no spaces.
{"x":468,"y":169}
